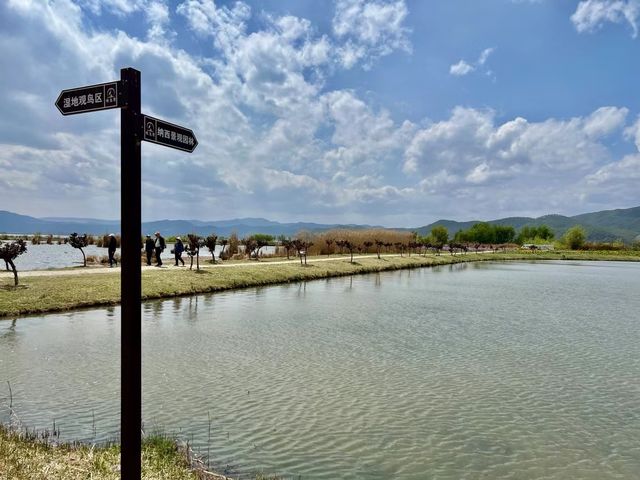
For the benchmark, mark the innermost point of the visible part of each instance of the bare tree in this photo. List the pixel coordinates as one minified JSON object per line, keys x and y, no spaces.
{"x":210,"y":243}
{"x":288,"y":246}
{"x":367,"y":245}
{"x":9,"y":252}
{"x":79,"y":242}
{"x":399,"y":246}
{"x":349,"y":246}
{"x":302,"y":247}
{"x":223,"y":242}
{"x":262,"y":240}
{"x":379,"y":245}
{"x":194,"y":242}
{"x":250,"y":246}
{"x":329,"y":242}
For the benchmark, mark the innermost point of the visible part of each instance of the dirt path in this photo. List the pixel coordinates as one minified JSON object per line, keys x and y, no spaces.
{"x":107,"y":270}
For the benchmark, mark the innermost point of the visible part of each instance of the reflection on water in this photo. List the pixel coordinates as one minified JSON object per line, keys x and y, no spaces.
{"x":497,"y":371}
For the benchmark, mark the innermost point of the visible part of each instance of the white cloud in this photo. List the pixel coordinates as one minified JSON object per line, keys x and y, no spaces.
{"x":590,"y":15}
{"x":463,"y":68}
{"x":633,"y":133}
{"x":604,"y":121}
{"x":484,"y":56}
{"x":465,"y":155}
{"x":271,"y":124}
{"x":225,"y":24}
{"x":370,"y":30}
{"x":625,"y":171}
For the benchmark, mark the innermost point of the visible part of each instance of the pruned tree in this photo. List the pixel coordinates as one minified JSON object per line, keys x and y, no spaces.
{"x":412,"y":246}
{"x":367,"y":245}
{"x":210,"y":243}
{"x":453,"y":246}
{"x":194,"y":242}
{"x":288,"y":246}
{"x":399,"y":246}
{"x":329,"y":242}
{"x":250,"y":246}
{"x":302,"y":246}
{"x":349,"y":246}
{"x":223,"y":243}
{"x":262,"y":240}
{"x":379,"y":245}
{"x":80,"y":242}
{"x":9,"y":251}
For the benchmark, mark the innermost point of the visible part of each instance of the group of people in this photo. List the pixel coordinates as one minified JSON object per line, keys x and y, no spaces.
{"x":157,"y":245}
{"x":151,"y":246}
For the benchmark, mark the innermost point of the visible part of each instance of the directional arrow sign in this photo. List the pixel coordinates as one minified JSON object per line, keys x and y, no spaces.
{"x":167,"y":134}
{"x":89,"y":99}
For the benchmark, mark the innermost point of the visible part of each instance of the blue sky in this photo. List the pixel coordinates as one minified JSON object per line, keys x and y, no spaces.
{"x":389,"y":112}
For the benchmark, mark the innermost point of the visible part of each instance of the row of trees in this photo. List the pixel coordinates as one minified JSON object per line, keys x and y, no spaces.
{"x":480,"y":236}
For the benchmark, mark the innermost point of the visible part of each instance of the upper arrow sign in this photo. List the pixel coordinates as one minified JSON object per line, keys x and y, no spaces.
{"x":90,"y":98}
{"x":167,"y":134}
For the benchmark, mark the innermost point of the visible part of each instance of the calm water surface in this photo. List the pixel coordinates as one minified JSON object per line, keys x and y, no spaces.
{"x":497,"y":371}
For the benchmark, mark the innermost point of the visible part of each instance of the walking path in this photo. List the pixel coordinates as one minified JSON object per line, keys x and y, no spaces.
{"x":105,"y":270}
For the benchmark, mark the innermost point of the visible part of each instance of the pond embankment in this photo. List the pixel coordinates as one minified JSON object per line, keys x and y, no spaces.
{"x":23,"y":456}
{"x":60,"y":290}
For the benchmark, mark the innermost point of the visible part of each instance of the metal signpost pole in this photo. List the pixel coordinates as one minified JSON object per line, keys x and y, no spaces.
{"x":134,"y":128}
{"x":131,"y":277}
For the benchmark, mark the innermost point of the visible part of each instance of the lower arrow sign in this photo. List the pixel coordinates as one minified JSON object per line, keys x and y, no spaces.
{"x":168,"y":134}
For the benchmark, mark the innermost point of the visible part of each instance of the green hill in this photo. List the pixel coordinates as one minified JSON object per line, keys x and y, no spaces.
{"x":604,"y":226}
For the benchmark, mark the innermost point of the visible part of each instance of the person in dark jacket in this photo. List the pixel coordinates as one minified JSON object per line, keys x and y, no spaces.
{"x":113,"y":244}
{"x":159,"y":247}
{"x":177,"y":250}
{"x":149,"y":248}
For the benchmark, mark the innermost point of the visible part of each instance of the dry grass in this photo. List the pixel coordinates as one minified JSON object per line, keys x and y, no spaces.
{"x":356,"y":237}
{"x":22,"y":458}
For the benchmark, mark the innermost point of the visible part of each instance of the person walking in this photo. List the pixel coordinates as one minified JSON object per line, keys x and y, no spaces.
{"x":159,"y":246}
{"x":177,"y":250}
{"x":113,"y":244}
{"x":149,"y":247}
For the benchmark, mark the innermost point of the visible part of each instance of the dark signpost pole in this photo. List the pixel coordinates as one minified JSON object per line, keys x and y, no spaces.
{"x":134,"y":128}
{"x":131,"y":278}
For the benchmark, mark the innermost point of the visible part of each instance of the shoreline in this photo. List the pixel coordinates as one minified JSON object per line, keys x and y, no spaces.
{"x":31,"y":455}
{"x":49,"y":291}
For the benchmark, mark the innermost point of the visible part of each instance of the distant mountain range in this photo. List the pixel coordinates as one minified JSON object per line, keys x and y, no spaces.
{"x":607,"y":225}
{"x":23,"y":224}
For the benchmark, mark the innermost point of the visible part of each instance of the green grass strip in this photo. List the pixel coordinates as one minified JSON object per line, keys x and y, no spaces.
{"x":51,"y":293}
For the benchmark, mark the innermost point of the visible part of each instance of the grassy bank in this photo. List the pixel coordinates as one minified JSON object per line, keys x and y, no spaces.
{"x":25,"y":458}
{"x":51,"y":292}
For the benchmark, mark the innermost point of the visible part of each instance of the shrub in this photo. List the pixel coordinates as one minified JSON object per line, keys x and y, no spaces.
{"x":574,"y":238}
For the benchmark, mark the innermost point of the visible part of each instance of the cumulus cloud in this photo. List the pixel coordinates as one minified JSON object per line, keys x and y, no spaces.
{"x":277,"y":138}
{"x":370,"y":30}
{"x":467,"y":155}
{"x":225,"y":24}
{"x":463,"y":68}
{"x":257,"y":106}
{"x":590,"y":15}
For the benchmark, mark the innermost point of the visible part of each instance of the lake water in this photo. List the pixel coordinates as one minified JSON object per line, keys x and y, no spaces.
{"x":42,"y":257}
{"x":487,"y":370}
